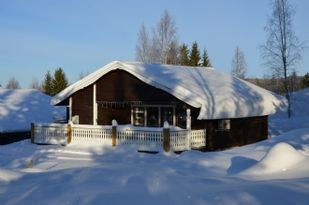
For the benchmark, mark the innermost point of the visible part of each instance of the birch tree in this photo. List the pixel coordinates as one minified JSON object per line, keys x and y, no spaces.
{"x":239,"y":65}
{"x":166,"y":35}
{"x":143,"y":45}
{"x":282,"y":50}
{"x":161,"y":46}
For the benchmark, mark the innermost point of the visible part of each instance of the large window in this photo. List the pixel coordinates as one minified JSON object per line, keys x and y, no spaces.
{"x":152,"y":115}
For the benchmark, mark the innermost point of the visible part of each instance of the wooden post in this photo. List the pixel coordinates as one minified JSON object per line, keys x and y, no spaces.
{"x":32,"y":133}
{"x":166,"y":137}
{"x":188,"y":119}
{"x":188,"y":127}
{"x":69,"y":133}
{"x":114,"y":132}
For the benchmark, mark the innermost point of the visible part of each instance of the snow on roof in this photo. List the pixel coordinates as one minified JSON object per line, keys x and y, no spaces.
{"x":20,"y":107}
{"x":216,"y":94}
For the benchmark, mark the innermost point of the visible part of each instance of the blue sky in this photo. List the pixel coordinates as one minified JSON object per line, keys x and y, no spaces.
{"x":82,"y":36}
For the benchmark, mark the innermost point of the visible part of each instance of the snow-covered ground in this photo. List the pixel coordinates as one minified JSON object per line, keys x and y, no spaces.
{"x":275,"y":171}
{"x":20,"y":107}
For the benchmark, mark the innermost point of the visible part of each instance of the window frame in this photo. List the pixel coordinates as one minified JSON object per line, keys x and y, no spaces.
{"x":224,"y":124}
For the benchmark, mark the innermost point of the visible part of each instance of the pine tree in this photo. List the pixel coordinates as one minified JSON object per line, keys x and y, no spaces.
{"x":48,"y":84}
{"x":60,"y":81}
{"x":205,"y":59}
{"x":184,"y":55}
{"x":195,"y":55}
{"x":305,"y":81}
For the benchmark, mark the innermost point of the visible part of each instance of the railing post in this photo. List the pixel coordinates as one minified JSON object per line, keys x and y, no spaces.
{"x":188,"y":119}
{"x":188,"y":127}
{"x":32,"y":133}
{"x":166,"y":137}
{"x":114,"y":132}
{"x":69,"y":133}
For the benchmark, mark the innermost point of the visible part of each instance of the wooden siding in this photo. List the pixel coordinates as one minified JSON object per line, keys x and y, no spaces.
{"x":121,"y":86}
{"x":82,"y":105}
{"x":242,"y":131}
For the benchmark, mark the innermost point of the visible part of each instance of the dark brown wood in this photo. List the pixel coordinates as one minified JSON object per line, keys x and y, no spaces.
{"x":114,"y":135}
{"x":242,"y":131}
{"x":166,"y":140}
{"x":121,"y":86}
{"x":82,"y":105}
{"x":69,"y":134}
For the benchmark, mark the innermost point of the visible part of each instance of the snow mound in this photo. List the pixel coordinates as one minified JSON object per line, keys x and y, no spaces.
{"x":281,"y":161}
{"x":8,"y":175}
{"x":20,"y":107}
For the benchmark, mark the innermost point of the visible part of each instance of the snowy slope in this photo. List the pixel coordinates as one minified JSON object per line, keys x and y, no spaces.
{"x":20,"y":107}
{"x":300,"y":114}
{"x":217,"y":94}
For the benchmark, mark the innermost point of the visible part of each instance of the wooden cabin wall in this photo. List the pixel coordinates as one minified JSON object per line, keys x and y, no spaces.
{"x":82,"y":105}
{"x":121,"y":86}
{"x":242,"y":131}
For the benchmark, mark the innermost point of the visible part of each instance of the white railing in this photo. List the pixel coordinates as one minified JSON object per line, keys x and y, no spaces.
{"x":148,"y":140}
{"x":145,"y":140}
{"x":50,"y":133}
{"x":198,"y":138}
{"x":180,"y":140}
{"x":90,"y":133}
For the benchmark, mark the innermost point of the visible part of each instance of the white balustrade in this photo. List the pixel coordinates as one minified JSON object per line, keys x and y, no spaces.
{"x":180,"y":140}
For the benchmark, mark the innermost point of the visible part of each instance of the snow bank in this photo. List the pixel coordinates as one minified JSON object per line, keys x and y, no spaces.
{"x":20,"y":107}
{"x":8,"y":175}
{"x":281,"y":161}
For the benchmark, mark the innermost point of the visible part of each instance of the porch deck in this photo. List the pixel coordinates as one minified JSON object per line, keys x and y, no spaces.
{"x":144,"y":138}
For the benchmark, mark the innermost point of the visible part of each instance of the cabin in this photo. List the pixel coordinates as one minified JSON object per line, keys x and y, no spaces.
{"x":233,"y":112}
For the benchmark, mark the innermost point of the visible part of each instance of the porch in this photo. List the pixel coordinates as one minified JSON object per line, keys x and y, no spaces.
{"x":143,"y":138}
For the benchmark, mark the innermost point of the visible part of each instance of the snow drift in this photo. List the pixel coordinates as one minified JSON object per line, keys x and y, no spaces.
{"x":281,"y":161}
{"x":20,"y":107}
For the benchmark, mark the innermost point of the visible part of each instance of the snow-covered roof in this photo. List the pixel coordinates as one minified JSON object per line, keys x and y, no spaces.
{"x":216,"y":94}
{"x":20,"y":107}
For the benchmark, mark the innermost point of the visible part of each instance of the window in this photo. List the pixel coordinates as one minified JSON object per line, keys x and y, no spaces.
{"x":152,"y":115}
{"x":139,"y":116}
{"x":224,"y":125}
{"x":167,"y":114}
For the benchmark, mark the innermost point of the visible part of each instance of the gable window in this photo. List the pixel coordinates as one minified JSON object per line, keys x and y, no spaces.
{"x":224,"y":124}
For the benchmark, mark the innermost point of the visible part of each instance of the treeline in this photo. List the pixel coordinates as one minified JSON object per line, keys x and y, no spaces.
{"x":50,"y":85}
{"x":276,"y":84}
